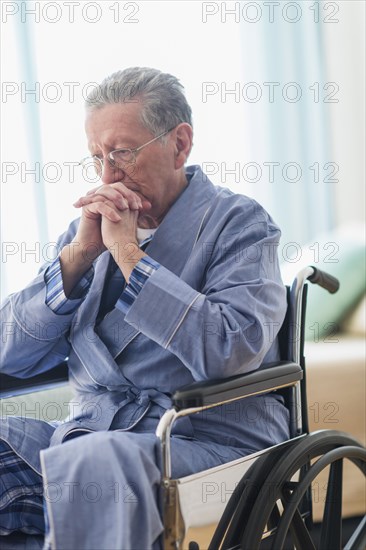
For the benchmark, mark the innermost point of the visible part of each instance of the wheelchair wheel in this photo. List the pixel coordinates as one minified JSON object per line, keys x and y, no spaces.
{"x":234,"y":519}
{"x":272,"y":505}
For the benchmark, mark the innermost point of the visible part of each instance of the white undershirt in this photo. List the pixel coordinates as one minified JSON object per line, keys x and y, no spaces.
{"x":143,"y":234}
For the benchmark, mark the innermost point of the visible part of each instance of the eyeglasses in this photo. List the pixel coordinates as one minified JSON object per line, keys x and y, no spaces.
{"x":119,"y":158}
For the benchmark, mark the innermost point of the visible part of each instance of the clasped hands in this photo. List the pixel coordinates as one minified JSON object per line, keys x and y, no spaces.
{"x":108,"y":221}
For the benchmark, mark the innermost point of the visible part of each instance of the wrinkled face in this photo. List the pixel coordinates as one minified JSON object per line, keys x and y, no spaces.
{"x":155,"y":176}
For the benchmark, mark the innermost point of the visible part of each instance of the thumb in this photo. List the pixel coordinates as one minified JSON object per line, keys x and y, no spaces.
{"x":146,"y":206}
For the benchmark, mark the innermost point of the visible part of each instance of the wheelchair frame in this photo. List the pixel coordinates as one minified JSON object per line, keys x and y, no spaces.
{"x":239,"y":526}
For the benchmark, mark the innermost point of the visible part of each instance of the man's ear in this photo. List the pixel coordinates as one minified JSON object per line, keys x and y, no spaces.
{"x":183,"y":143}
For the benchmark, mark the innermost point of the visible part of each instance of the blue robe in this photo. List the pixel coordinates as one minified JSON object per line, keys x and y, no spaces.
{"x":212,"y":310}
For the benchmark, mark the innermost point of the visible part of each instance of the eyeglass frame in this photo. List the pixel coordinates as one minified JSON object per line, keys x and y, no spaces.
{"x":133,"y":151}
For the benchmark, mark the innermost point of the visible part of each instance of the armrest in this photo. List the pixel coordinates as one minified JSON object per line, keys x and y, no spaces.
{"x":267,"y":378}
{"x":11,"y":386}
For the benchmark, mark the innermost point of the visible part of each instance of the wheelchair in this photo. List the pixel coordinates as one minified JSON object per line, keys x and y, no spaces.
{"x":270,"y":504}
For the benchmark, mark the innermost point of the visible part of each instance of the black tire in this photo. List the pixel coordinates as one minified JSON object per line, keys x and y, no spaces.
{"x":270,"y":510}
{"x":293,"y":530}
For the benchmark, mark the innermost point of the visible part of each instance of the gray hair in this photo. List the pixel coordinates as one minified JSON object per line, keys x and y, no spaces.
{"x":162,"y":96}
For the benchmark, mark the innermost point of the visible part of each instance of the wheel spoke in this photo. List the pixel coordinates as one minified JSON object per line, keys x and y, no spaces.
{"x":358,"y":539}
{"x":299,"y":532}
{"x":302,"y":538}
{"x":331,"y":534}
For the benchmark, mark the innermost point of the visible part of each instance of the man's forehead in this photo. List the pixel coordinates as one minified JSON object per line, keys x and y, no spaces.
{"x":126,"y":110}
{"x":115,"y":122}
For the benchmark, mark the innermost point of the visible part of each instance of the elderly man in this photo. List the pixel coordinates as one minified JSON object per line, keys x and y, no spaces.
{"x":164,"y":280}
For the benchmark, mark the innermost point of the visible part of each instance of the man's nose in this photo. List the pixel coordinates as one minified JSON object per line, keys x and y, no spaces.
{"x":111,"y":174}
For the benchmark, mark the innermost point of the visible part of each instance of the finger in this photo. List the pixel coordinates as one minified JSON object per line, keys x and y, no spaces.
{"x":92,"y":191}
{"x":121,"y":197}
{"x":134,"y":201}
{"x":118,"y":200}
{"x":146,"y":206}
{"x":82,"y":201}
{"x":103,"y":209}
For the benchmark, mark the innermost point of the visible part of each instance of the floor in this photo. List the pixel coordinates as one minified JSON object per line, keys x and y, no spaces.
{"x":23,"y":542}
{"x":202,"y":536}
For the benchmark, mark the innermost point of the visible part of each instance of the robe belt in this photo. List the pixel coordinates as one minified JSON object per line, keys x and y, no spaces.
{"x":98,"y":413}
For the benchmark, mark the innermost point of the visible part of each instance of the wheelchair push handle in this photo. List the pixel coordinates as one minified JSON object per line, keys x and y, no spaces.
{"x":324,"y":280}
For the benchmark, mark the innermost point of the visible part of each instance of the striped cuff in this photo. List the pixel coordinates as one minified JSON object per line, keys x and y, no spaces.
{"x":55,"y":296}
{"x":140,"y":274}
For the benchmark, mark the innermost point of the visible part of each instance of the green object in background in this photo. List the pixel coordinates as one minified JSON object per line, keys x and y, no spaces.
{"x":341,"y":253}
